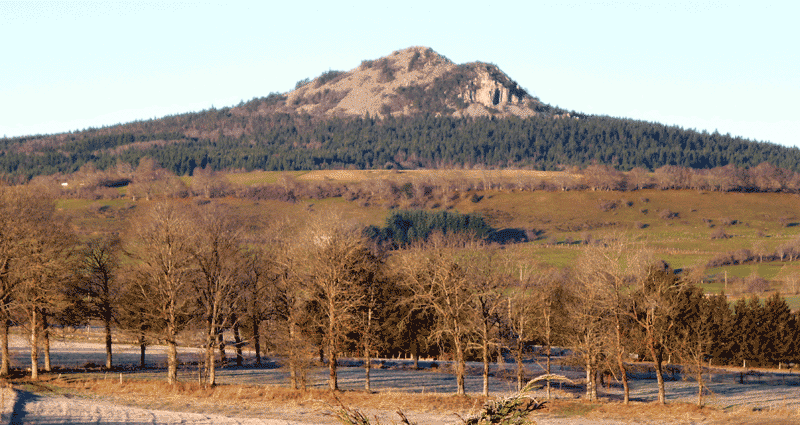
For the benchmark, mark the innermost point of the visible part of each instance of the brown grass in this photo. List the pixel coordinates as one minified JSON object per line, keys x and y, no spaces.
{"x":248,"y":400}
{"x":320,"y":405}
{"x":638,"y":412}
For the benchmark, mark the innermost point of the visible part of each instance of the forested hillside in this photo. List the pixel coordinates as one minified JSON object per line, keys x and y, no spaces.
{"x":232,"y":139}
{"x":411,"y":109}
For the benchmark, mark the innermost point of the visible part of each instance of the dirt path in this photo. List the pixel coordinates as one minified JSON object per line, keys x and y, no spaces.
{"x":22,"y":407}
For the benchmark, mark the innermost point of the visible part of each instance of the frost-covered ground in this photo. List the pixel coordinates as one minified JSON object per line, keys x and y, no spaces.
{"x":727,"y":389}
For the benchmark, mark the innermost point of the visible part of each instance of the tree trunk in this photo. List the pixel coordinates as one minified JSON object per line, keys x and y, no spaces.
{"x":48,"y":365}
{"x":367,"y":362}
{"x":518,"y":357}
{"x":485,"y":368}
{"x":333,"y":379}
{"x":415,"y":353}
{"x":237,"y":338}
{"x":367,"y":367}
{"x":699,"y":366}
{"x":293,"y":356}
{"x":172,"y":361}
{"x":107,"y":324}
{"x":460,"y":366}
{"x":34,"y":345}
{"x":142,"y":349}
{"x":700,"y":383}
{"x":624,"y":372}
{"x":257,"y":340}
{"x":621,"y":364}
{"x":223,"y":358}
{"x":588,"y":380}
{"x":211,"y":334}
{"x":6,"y":354}
{"x":658,"y":360}
{"x":549,"y":364}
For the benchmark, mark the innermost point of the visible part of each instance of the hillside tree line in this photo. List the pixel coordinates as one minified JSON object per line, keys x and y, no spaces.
{"x":247,"y":137}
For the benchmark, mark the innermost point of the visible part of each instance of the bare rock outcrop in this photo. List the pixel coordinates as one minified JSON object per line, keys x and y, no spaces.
{"x":414,"y":80}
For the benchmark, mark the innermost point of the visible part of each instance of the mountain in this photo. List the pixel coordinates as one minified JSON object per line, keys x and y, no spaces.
{"x":413,"y":108}
{"x":413,"y":81}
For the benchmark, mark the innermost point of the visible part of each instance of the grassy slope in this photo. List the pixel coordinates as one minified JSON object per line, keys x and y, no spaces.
{"x":763,"y":220}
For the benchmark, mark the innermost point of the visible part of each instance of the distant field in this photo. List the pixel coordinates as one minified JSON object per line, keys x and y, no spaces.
{"x":675,"y":225}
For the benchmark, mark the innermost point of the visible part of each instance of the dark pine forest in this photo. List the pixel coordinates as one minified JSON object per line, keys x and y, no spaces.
{"x":245,"y":138}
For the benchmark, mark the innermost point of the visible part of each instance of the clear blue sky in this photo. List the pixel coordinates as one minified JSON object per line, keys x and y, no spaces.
{"x":729,"y":67}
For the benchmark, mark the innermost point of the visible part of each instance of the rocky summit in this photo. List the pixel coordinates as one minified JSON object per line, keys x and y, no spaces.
{"x":411,"y":81}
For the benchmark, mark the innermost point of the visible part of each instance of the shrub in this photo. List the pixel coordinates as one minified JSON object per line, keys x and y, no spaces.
{"x":667,"y":214}
{"x":755,"y":283}
{"x":606,"y":205}
{"x":329,"y":76}
{"x":719,"y":234}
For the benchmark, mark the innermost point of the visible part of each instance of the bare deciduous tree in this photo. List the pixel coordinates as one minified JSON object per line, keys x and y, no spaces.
{"x":216,"y":250}
{"x":521,"y":315}
{"x":44,"y":261}
{"x":614,"y":267}
{"x":339,"y":266}
{"x":437,"y":281}
{"x":98,"y":284}
{"x":654,"y":304}
{"x":161,"y":245}
{"x":488,"y":284}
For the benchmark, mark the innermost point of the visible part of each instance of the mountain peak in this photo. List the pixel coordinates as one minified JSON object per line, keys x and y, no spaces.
{"x":411,"y":81}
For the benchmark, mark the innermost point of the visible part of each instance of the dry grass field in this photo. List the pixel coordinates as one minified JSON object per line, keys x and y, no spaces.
{"x":260,"y":395}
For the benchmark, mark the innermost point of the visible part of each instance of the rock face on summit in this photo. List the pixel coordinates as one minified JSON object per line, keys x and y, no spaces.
{"x":411,"y":81}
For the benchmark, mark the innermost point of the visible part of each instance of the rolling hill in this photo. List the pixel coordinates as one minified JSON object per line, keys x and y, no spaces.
{"x":411,"y":109}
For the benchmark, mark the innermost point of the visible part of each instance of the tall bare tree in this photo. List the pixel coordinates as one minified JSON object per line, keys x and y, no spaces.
{"x":548,"y":295}
{"x":44,"y":262}
{"x":488,"y":283}
{"x":695,"y":330}
{"x":655,"y":306}
{"x":288,"y":299}
{"x":216,"y":249}
{"x":521,"y":308}
{"x":339,"y":266}
{"x":98,"y":283}
{"x":614,"y":267}
{"x":161,"y":245}
{"x":438,"y":282}
{"x":16,"y":207}
{"x":254,"y":297}
{"x":586,"y":329}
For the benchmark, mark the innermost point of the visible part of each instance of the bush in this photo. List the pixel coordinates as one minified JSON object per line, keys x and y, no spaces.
{"x":329,"y":76}
{"x":606,"y":205}
{"x":755,"y":283}
{"x":719,"y":234}
{"x":666,"y":214}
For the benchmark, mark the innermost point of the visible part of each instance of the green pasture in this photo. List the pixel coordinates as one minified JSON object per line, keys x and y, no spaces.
{"x":676,"y":226}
